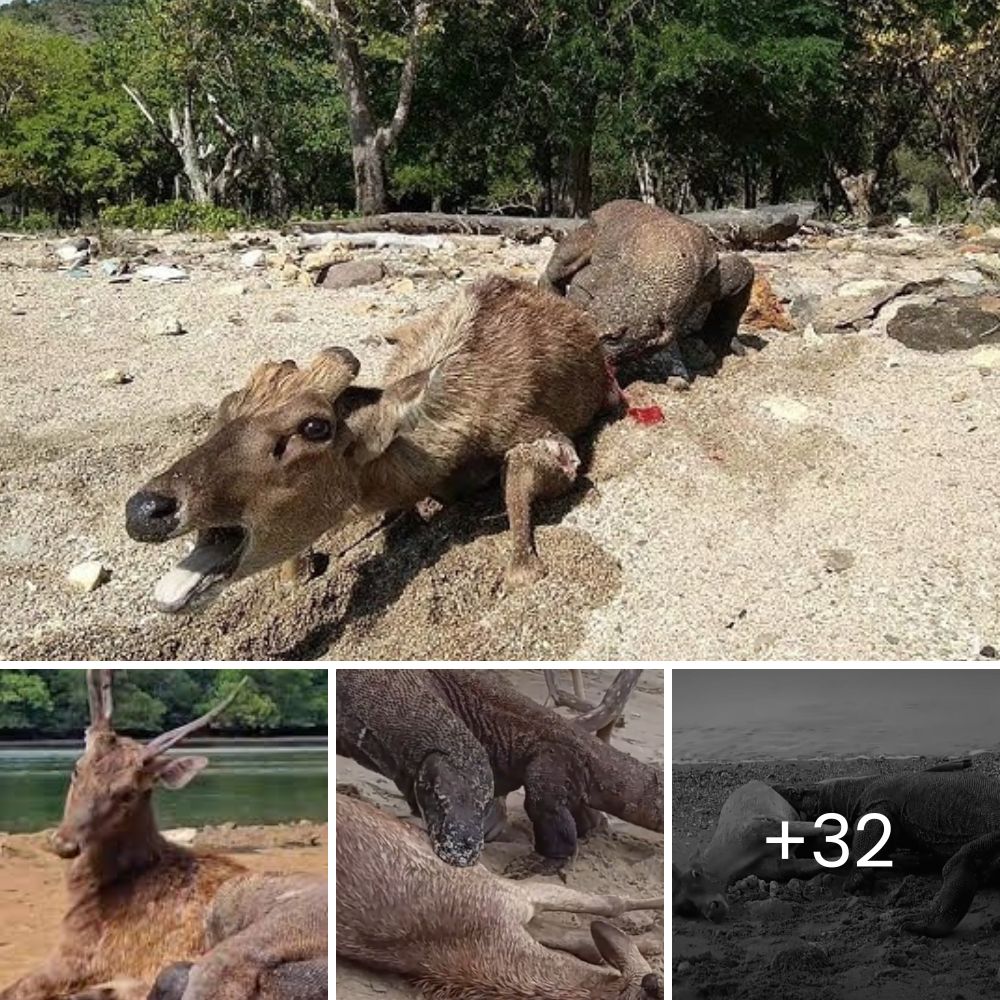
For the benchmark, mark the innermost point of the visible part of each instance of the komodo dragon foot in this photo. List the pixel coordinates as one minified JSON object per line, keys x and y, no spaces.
{"x":974,"y":865}
{"x":536,"y":864}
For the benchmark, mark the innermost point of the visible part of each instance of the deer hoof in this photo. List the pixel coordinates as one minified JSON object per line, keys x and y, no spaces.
{"x":522,"y":573}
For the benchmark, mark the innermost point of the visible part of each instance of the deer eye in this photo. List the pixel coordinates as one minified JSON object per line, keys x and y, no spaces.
{"x":695,"y":873}
{"x":316,"y":429}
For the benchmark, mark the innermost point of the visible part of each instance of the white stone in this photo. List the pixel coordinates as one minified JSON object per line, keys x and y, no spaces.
{"x":985,"y":358}
{"x":166,"y":326}
{"x":161,"y":273}
{"x":183,"y":836}
{"x":863,"y":286}
{"x":87,"y":576}
{"x":114,"y":376}
{"x":789,"y":411}
{"x":811,"y":337}
{"x":253,"y":258}
{"x":966,"y":277}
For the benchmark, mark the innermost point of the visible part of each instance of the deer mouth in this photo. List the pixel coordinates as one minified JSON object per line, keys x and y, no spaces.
{"x":204,"y":571}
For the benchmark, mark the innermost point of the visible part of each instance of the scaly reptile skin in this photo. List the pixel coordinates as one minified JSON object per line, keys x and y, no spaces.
{"x":950,"y":815}
{"x":395,"y":723}
{"x":566,"y":773}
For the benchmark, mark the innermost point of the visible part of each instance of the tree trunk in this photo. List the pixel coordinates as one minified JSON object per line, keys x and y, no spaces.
{"x":749,"y":184}
{"x":644,"y":175}
{"x":370,"y":143}
{"x":369,"y":178}
{"x":860,"y":191}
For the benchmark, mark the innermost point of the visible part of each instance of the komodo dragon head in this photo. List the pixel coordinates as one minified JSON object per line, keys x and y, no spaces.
{"x":833,"y":795}
{"x":452,"y":805}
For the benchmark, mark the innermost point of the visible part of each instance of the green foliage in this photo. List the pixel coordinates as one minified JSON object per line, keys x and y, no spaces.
{"x":54,"y":702}
{"x":174,"y":215}
{"x":550,"y":106}
{"x":24,"y":700}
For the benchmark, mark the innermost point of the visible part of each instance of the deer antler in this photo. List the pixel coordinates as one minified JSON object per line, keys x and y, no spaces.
{"x":612,"y":704}
{"x":165,"y":741}
{"x":601,"y":718}
{"x":99,"y":696}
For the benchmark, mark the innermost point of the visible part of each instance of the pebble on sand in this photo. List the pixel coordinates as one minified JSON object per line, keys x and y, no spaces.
{"x":789,"y":411}
{"x":88,"y":576}
{"x":114,"y":376}
{"x":985,"y":359}
{"x":253,"y":258}
{"x":167,"y":326}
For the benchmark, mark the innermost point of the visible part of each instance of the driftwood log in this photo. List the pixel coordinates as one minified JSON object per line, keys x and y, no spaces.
{"x":732,"y":227}
{"x":599,"y":719}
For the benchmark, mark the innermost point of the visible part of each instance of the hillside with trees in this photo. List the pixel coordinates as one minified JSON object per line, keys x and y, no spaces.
{"x":40,"y":704}
{"x":270,"y":108}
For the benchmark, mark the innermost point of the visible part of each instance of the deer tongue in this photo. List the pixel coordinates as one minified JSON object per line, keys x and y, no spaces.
{"x":212,"y":561}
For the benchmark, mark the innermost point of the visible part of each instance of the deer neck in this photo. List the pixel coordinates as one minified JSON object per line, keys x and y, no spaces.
{"x":137,"y":847}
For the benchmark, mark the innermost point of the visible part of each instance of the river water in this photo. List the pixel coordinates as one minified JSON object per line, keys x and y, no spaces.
{"x":245,"y":782}
{"x":747,"y":714}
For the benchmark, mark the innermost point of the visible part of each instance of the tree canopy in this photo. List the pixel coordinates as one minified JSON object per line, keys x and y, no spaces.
{"x":549,"y":106}
{"x":53,"y":703}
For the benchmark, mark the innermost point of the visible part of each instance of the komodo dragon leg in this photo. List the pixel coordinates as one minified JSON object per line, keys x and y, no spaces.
{"x":549,"y":803}
{"x":571,"y":255}
{"x":722,"y":325}
{"x":537,"y":470}
{"x":969,"y":868}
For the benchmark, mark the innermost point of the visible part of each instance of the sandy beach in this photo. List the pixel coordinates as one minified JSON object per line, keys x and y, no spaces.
{"x":32,"y":893}
{"x":832,"y":495}
{"x":810,"y":940}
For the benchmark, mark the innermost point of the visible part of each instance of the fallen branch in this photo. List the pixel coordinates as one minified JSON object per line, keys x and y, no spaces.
{"x":602,"y":718}
{"x":737,"y":227}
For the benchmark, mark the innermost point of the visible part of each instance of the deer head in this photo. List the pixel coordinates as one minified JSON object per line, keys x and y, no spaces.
{"x":109,"y":798}
{"x":268,"y":481}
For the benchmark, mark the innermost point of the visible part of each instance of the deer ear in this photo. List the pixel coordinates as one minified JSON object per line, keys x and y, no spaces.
{"x":398,"y":410}
{"x":176,"y":773}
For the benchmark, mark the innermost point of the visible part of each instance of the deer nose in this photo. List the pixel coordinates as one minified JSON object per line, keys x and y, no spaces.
{"x":151,"y":517}
{"x":716,"y":910}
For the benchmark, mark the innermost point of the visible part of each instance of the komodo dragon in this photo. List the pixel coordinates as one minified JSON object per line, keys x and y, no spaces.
{"x":651,"y":278}
{"x":566,"y":772}
{"x":396,"y":723}
{"x":954,"y":816}
{"x":268,"y":938}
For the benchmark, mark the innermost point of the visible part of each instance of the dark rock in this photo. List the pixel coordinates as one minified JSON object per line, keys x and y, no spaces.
{"x":945,"y":326}
{"x":352,"y":273}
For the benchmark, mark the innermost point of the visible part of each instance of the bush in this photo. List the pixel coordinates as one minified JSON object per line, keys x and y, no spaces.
{"x":174,"y":215}
{"x":32,"y":222}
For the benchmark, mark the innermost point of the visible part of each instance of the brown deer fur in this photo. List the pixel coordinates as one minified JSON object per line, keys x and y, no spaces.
{"x":501,"y":378}
{"x":136,"y":901}
{"x":462,"y":933}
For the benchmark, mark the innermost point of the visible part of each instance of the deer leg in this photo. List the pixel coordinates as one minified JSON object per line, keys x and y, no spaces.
{"x":546,"y":896}
{"x":970,"y":867}
{"x":43,"y":985}
{"x":578,"y":941}
{"x":120,"y":989}
{"x":541,"y":469}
